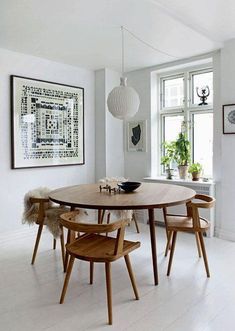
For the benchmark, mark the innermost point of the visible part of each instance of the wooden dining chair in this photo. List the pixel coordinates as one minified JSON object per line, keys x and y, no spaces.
{"x":94,"y":246}
{"x":40,"y":220}
{"x":192,"y":223}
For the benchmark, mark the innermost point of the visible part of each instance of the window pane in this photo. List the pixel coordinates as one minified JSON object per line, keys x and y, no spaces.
{"x":173,"y":92}
{"x":203,"y":141}
{"x":172,"y":127}
{"x":200,"y":81}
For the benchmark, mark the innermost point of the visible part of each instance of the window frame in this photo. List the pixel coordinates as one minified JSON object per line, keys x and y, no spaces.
{"x":187,"y":109}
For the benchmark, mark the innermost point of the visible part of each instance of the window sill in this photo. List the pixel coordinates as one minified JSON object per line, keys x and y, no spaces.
{"x":177,"y":180}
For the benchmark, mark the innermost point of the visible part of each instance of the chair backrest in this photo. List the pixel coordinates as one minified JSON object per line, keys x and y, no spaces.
{"x":40,"y":205}
{"x":72,"y":222}
{"x":206,"y":201}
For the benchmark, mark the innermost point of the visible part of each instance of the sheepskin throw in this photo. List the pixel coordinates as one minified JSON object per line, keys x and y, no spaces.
{"x":122,"y":214}
{"x":52,"y":211}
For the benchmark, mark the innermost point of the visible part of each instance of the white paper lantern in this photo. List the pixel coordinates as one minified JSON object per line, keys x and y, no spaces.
{"x":123,"y":101}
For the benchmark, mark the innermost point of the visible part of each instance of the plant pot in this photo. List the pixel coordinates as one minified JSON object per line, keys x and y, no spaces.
{"x":183,"y":171}
{"x":195,"y":176}
{"x":169,"y":173}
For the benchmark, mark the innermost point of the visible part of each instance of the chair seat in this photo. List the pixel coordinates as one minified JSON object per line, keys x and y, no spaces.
{"x":98,"y":248}
{"x":184,"y":223}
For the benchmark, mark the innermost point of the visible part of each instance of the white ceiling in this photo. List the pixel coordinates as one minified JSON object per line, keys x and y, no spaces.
{"x":86,"y":33}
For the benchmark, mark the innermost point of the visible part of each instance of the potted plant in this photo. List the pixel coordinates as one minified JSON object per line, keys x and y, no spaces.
{"x":182,"y":154}
{"x":195,"y":169}
{"x":169,"y":156}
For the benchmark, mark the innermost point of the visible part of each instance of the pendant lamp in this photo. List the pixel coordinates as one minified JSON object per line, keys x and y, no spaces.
{"x":123,"y":101}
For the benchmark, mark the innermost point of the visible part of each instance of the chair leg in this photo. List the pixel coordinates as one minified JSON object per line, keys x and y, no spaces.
{"x":108,"y":221}
{"x":168,"y":244}
{"x":102,"y":216}
{"x":37,"y":243}
{"x":198,"y":244}
{"x":66,"y":281}
{"x":108,"y":218}
{"x":62,"y":245}
{"x":91,"y":272}
{"x":131,"y":274}
{"x":66,"y":254}
{"x":167,"y":232}
{"x":204,"y":253}
{"x":172,"y":252}
{"x":136,"y":223}
{"x":109,"y":290}
{"x":54,"y":243}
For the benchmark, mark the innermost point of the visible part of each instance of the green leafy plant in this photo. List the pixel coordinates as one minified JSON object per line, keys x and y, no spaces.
{"x":169,"y":154}
{"x":195,"y":167}
{"x":182,"y":153}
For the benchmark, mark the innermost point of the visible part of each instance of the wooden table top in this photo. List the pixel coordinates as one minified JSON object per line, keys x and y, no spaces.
{"x":147,"y":196}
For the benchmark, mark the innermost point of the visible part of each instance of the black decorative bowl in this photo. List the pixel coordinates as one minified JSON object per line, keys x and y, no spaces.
{"x":129,"y":186}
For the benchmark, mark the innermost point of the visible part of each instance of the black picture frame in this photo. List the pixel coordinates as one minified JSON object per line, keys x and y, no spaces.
{"x":229,"y":119}
{"x":47,"y":123}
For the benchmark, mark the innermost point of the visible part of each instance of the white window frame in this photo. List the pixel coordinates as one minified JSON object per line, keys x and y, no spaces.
{"x":187,"y":109}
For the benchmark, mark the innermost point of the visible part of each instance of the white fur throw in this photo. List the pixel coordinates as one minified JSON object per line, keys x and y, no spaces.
{"x":31,"y":209}
{"x":113,"y":180}
{"x":121,"y":214}
{"x":52,"y":211}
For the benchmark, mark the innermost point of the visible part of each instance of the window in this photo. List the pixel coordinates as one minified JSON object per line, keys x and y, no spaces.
{"x":173,"y":92}
{"x":172,"y":126}
{"x":181,"y":99}
{"x":203,"y":140}
{"x":200,"y":80}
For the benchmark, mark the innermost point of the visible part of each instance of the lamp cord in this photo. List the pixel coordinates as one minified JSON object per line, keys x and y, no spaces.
{"x":143,"y":42}
{"x":122,"y":29}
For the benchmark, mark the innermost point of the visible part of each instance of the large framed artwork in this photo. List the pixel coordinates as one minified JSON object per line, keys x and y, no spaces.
{"x":136,"y":136}
{"x":229,"y":119}
{"x":47,"y":123}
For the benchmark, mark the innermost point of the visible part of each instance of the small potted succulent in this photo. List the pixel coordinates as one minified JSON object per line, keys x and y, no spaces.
{"x":195,"y":169}
{"x":166,"y":160}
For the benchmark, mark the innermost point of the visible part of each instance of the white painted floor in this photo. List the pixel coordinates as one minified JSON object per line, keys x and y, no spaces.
{"x":185,"y":301}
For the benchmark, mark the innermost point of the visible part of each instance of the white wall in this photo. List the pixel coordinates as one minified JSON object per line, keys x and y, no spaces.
{"x":138,"y":164}
{"x":15,"y":183}
{"x":100,"y":125}
{"x":109,"y":130}
{"x":226,"y":157}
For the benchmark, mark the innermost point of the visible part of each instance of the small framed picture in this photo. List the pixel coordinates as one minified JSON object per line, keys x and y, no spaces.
{"x":136,"y":136}
{"x":229,"y":119}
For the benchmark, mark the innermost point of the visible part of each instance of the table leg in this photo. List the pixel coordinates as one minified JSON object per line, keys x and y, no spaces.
{"x":153,"y":244}
{"x":101,"y":213}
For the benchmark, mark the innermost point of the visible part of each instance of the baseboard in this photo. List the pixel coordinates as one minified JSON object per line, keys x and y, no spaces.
{"x":224,"y":234}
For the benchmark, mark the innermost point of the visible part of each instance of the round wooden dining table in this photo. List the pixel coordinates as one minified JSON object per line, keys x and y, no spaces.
{"x":148,"y":196}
